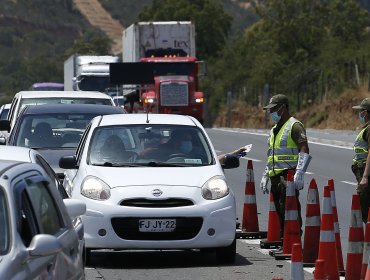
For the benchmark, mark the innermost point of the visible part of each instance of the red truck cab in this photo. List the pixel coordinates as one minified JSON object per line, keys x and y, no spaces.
{"x":175,"y":91}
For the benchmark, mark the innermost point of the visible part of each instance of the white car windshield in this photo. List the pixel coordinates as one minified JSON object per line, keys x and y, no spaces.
{"x":152,"y":145}
{"x":4,"y":222}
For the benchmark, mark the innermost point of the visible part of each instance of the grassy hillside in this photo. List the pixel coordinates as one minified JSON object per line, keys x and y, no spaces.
{"x":34,"y":36}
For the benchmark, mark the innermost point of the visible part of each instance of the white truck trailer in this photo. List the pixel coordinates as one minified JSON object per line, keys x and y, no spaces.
{"x":156,"y":39}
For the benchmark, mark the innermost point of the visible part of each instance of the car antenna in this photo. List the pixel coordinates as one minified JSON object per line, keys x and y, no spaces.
{"x":147,"y":116}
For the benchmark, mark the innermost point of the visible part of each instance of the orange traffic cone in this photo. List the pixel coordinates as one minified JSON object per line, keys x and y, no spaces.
{"x":336,"y":227}
{"x":327,"y":246}
{"x":312,"y":226}
{"x":296,"y":271}
{"x":319,"y":272}
{"x":366,"y":252}
{"x":292,"y":231}
{"x":273,"y":232}
{"x":355,"y":241}
{"x":250,"y":228}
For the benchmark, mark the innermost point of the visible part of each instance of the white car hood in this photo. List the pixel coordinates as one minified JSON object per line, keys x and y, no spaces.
{"x":129,"y":176}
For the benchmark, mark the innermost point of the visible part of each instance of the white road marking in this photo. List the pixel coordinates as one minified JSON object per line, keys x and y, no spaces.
{"x":315,"y":141}
{"x":253,"y":159}
{"x":331,"y":145}
{"x":349,"y":183}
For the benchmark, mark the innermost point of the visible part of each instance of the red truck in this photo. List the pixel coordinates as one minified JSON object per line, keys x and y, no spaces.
{"x":160,"y":71}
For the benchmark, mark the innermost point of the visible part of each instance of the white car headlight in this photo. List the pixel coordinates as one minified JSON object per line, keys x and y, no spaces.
{"x":215,"y":188}
{"x":95,"y":188}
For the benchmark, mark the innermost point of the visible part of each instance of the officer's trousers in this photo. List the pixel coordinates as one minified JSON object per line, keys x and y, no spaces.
{"x":364,"y":193}
{"x":278,"y":190}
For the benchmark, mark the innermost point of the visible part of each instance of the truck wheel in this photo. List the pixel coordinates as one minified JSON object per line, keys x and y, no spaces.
{"x":226,"y":255}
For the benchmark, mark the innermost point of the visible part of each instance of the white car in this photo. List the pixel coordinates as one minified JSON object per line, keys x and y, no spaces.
{"x":34,"y":97}
{"x":37,"y":239}
{"x":144,"y":191}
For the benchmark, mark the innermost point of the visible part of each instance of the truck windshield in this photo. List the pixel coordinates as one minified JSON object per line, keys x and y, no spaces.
{"x":89,"y":83}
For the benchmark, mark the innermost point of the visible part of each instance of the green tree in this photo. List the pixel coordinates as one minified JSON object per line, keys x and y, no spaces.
{"x":212,"y":24}
{"x":92,"y":43}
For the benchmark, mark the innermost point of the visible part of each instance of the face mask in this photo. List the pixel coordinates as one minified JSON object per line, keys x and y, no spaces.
{"x":186,"y":147}
{"x":361,"y":117}
{"x":275,"y":116}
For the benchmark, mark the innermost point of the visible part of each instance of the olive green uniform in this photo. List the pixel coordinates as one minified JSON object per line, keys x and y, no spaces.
{"x":279,"y":182}
{"x":358,"y":169}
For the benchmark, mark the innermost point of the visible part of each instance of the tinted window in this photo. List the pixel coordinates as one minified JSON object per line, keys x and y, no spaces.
{"x":53,"y":177}
{"x":52,"y":130}
{"x":4,"y":114}
{"x":44,"y":207}
{"x":5,"y":226}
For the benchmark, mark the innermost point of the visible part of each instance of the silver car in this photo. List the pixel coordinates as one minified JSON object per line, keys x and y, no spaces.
{"x":37,"y":238}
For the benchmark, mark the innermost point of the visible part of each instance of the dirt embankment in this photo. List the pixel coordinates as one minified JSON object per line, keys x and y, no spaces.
{"x":333,"y":113}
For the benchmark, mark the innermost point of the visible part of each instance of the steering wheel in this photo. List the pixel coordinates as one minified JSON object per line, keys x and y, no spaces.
{"x":132,"y":156}
{"x":177,"y":155}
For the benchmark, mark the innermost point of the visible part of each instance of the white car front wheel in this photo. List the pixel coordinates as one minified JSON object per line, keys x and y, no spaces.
{"x":226,"y":255}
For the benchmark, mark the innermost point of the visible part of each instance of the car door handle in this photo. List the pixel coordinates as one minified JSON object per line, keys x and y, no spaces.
{"x":72,"y":251}
{"x":49,"y":266}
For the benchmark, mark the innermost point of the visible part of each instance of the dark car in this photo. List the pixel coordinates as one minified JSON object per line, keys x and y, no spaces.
{"x":55,"y":130}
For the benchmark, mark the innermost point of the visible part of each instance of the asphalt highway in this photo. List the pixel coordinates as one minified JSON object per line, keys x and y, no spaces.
{"x":331,"y":159}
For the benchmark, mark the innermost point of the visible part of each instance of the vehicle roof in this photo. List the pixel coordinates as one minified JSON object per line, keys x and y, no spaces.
{"x":142,"y":119}
{"x":62,"y":93}
{"x":72,"y":108}
{"x":15,"y":153}
{"x":48,"y":84}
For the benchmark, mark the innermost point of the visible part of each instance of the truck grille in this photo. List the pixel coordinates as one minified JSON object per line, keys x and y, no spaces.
{"x":128,"y":228}
{"x":157,"y":203}
{"x":174,"y":94}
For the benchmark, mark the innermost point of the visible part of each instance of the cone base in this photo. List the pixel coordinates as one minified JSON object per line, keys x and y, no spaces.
{"x":250,"y":235}
{"x":265,"y":244}
{"x":283,"y":256}
{"x":278,"y":255}
{"x":308,"y":264}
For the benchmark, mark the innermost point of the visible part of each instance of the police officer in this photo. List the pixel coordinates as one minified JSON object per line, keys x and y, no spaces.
{"x":288,"y":150}
{"x":361,"y":160}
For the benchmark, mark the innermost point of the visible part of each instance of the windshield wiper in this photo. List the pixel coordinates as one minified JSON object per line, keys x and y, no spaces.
{"x":164,"y":164}
{"x":112,"y":164}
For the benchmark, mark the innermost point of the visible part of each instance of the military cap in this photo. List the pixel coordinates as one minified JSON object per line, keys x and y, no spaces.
{"x":276,"y":100}
{"x":364,"y":105}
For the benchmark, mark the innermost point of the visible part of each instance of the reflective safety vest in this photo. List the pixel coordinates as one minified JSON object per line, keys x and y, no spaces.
{"x":283,"y":151}
{"x":361,"y":148}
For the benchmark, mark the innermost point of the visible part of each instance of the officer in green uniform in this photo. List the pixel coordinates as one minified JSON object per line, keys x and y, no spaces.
{"x":288,"y":150}
{"x":361,"y":160}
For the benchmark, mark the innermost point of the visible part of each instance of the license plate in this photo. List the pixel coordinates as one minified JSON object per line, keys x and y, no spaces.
{"x":157,"y":225}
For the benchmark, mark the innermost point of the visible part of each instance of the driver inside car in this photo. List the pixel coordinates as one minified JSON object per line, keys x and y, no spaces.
{"x":180,"y":144}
